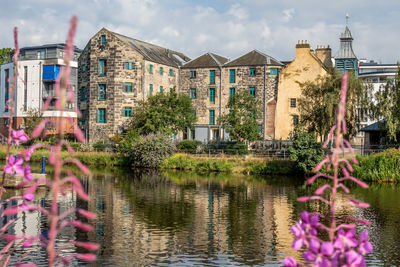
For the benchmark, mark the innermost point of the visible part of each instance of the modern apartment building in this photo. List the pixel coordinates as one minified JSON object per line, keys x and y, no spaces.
{"x":115,"y":73}
{"x":38,"y":68}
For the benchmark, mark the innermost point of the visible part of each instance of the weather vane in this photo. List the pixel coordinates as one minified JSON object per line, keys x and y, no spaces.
{"x":347,"y":18}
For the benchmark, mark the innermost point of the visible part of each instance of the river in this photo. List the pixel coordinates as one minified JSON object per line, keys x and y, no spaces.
{"x":187,"y":219}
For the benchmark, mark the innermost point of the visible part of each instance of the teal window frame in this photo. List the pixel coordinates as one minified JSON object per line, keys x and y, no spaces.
{"x":103,"y":40}
{"x":161,"y":71}
{"x":128,"y":88}
{"x":102,"y":67}
{"x":161,"y":89}
{"x":101,"y":115}
{"x":83,"y":67}
{"x":83,"y":93}
{"x":260,"y":129}
{"x":232,"y":76}
{"x":151,"y":69}
{"x":102,"y":91}
{"x":193,"y":74}
{"x":192,"y":134}
{"x":232,"y":92}
{"x":252,"y":72}
{"x":252,"y":91}
{"x":211,"y":95}
{"x":171,"y":72}
{"x":150,"y":90}
{"x":273,"y":71}
{"x":212,"y":76}
{"x":211,"y":117}
{"x":127,"y":112}
{"x":128,"y":65}
{"x":193,"y":93}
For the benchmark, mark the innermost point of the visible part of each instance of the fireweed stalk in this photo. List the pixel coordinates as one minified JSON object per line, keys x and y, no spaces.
{"x":343,"y":247}
{"x":64,"y":96}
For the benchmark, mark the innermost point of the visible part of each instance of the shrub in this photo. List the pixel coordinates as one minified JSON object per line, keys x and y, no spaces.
{"x":150,"y":151}
{"x":189,"y":146}
{"x":103,"y":145}
{"x":228,"y":147}
{"x":305,"y":151}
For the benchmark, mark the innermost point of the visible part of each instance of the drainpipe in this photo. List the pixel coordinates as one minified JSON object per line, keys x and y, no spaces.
{"x":264,"y":115}
{"x":221,"y":134}
{"x":178,"y":89}
{"x":143,"y":79}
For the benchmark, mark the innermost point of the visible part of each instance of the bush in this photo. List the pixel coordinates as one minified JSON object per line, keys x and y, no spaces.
{"x":188,"y":146}
{"x":149,"y":151}
{"x":228,"y":147}
{"x":103,"y":145}
{"x":272,"y":167}
{"x":305,"y":151}
{"x":181,"y":161}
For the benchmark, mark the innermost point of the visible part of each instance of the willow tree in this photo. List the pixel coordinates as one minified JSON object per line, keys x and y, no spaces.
{"x":320,"y":98}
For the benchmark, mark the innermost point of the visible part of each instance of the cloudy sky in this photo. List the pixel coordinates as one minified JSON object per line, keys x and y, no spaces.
{"x":226,"y":27}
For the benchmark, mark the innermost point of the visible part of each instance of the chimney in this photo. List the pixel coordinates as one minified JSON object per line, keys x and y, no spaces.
{"x":302,"y":47}
{"x":324,"y":53}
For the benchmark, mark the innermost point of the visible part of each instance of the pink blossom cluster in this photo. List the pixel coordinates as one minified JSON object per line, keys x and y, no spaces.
{"x":343,"y":248}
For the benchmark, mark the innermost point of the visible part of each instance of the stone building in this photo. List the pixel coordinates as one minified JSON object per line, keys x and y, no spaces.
{"x":38,"y":68}
{"x":210,"y":80}
{"x":257,"y":73}
{"x":115,"y":73}
{"x":307,"y":66}
{"x":201,"y":80}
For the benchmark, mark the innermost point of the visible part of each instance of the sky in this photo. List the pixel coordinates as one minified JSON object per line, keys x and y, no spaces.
{"x":229,"y":28}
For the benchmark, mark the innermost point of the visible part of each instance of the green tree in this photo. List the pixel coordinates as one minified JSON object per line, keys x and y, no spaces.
{"x":166,"y":113}
{"x":320,"y":98}
{"x":32,"y":119}
{"x":240,"y":122}
{"x":386,"y":107}
{"x":305,"y":150}
{"x":5,"y":55}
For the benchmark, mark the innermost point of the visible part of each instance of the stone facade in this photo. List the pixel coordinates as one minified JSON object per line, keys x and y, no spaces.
{"x":307,"y":66}
{"x":126,"y":77}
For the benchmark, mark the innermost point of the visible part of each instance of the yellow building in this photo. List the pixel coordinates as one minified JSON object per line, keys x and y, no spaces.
{"x":307,"y":66}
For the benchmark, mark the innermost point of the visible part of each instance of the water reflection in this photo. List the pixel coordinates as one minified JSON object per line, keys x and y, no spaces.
{"x":177,"y":218}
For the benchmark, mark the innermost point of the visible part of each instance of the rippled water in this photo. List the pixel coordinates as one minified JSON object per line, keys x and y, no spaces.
{"x":186,"y":219}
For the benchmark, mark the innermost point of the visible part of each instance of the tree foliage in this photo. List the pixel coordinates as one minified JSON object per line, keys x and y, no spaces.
{"x":387,"y":107}
{"x":320,"y":98}
{"x":5,"y":55}
{"x":240,"y":122}
{"x":166,"y":113}
{"x":305,"y":151}
{"x":32,"y":119}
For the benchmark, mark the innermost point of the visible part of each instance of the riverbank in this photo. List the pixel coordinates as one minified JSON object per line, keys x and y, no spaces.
{"x":88,"y":158}
{"x":239,"y":164}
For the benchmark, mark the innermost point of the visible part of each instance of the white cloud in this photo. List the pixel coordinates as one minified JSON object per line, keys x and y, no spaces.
{"x":288,"y":14}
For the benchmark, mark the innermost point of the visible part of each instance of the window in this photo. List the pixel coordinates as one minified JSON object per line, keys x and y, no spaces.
{"x":260,"y":129}
{"x":252,"y":72}
{"x":211,"y":118}
{"x":212,"y":76}
{"x":83,"y":94}
{"x":83,"y":68}
{"x":102,"y":92}
{"x":252,"y":91}
{"x":232,"y":76}
{"x":171,"y":72}
{"x":128,"y":88}
{"x":127,"y":112}
{"x":102,"y":67}
{"x":232,"y":91}
{"x":193,"y":74}
{"x":151,"y":69}
{"x":161,"y":71}
{"x":293,"y":102}
{"x":102,"y":40}
{"x":41,"y":54}
{"x":101,"y":115}
{"x":150,"y":90}
{"x":193,"y":93}
{"x":295,"y":120}
{"x":211,"y":94}
{"x":128,"y":65}
{"x":273,"y":71}
{"x":161,"y":89}
{"x":192,"y":134}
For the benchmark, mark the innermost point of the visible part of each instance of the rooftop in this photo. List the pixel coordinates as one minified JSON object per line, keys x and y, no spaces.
{"x":205,"y":61}
{"x":254,"y":58}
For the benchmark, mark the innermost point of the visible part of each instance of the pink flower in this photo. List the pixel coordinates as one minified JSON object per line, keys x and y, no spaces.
{"x":29,"y":197}
{"x":353,"y":259}
{"x":19,"y":136}
{"x":27,"y":173}
{"x":345,"y":240}
{"x":290,"y":262}
{"x":14,"y":166}
{"x":365,"y":246}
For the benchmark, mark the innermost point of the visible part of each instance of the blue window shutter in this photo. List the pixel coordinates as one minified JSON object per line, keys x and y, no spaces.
{"x":150,"y":89}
